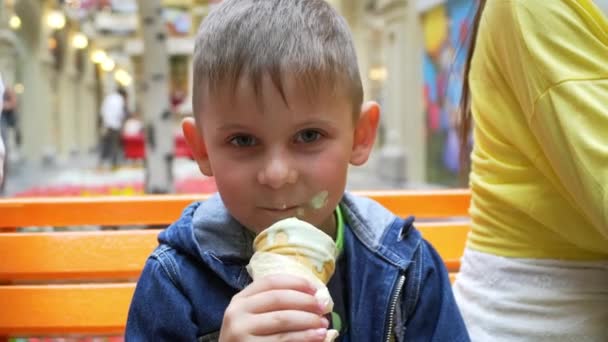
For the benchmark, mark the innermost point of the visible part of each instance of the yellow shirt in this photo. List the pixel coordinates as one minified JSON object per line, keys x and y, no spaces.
{"x":539,"y":82}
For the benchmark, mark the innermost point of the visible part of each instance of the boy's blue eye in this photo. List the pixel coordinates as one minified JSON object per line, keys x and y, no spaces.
{"x":243,"y":141}
{"x":308,"y":136}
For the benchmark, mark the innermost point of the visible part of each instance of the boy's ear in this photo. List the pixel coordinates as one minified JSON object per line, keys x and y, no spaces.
{"x":366,"y":128}
{"x":197,"y":145}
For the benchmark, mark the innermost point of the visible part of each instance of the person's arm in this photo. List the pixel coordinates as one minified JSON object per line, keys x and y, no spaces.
{"x":571,"y":123}
{"x":13,"y":98}
{"x":436,"y":316}
{"x":563,"y":49}
{"x":159,"y":310}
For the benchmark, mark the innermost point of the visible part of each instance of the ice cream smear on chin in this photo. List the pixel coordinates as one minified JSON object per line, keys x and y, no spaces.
{"x":292,"y":246}
{"x":319,"y":201}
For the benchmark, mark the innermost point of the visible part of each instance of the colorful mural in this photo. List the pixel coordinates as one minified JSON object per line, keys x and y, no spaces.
{"x":446,"y":29}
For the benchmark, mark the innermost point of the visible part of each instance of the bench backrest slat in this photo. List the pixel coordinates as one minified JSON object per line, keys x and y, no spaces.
{"x":164,"y":209}
{"x":122,"y":254}
{"x":75,"y":255}
{"x":449,"y":239}
{"x":64,"y":309}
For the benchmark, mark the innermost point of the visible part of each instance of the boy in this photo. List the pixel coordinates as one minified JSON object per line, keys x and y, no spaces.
{"x":278,"y":119}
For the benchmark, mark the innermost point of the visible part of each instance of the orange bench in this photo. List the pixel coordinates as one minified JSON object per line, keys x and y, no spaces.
{"x":81,"y":282}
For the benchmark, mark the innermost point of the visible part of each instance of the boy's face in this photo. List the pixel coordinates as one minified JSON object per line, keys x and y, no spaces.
{"x":273,"y":160}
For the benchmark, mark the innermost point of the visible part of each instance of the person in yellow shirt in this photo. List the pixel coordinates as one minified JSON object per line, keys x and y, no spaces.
{"x":536,"y":263}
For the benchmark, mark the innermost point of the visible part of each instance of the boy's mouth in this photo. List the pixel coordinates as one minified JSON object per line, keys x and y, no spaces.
{"x":281,"y":209}
{"x":315,"y":203}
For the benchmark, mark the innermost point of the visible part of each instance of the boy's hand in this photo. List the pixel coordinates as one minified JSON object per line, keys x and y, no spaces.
{"x":275,"y":308}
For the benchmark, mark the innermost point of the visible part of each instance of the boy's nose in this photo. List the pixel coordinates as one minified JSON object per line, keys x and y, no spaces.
{"x":277,"y":172}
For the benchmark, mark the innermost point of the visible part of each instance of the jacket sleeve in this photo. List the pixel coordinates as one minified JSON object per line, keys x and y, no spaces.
{"x":435,"y":316}
{"x":159,"y":310}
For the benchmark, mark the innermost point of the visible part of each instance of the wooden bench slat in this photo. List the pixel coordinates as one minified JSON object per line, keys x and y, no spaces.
{"x":449,"y":239}
{"x":164,"y":209}
{"x":423,"y":204}
{"x":105,"y":211}
{"x":64,"y":309}
{"x":75,"y":255}
{"x":122,"y":254}
{"x":68,"y":309}
{"x":452,"y":278}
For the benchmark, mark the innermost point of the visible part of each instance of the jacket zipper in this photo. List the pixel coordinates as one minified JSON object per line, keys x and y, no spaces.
{"x":393,"y":307}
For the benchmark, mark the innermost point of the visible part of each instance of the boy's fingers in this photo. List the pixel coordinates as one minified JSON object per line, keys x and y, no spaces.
{"x":311,"y":335}
{"x":276,"y":282}
{"x":277,"y":300}
{"x":276,"y":322}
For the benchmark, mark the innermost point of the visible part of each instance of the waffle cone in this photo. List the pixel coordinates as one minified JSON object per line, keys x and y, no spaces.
{"x":303,"y":244}
{"x":297,"y":248}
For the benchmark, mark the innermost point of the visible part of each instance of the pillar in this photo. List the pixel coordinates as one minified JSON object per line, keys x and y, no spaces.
{"x":405,"y":148}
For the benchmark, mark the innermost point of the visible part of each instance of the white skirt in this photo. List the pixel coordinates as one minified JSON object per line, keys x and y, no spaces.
{"x":511,"y":299}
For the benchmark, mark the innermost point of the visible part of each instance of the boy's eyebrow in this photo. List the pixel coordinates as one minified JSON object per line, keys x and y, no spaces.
{"x":232,"y":127}
{"x":321,"y":121}
{"x":316,"y":121}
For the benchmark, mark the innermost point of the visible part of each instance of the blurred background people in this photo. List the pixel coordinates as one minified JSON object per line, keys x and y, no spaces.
{"x":113,"y":115}
{"x":10,"y":117}
{"x":2,"y":150}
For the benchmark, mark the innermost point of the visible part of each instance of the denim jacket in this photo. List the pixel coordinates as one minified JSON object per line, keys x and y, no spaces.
{"x":399,"y":288}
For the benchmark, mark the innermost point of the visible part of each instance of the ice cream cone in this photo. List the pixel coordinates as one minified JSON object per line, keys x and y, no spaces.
{"x":302,"y":243}
{"x":295,"y":247}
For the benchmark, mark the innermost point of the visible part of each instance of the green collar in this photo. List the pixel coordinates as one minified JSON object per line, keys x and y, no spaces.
{"x":339,"y":230}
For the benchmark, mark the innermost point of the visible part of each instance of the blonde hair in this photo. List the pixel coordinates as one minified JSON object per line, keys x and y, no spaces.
{"x":304,"y":39}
